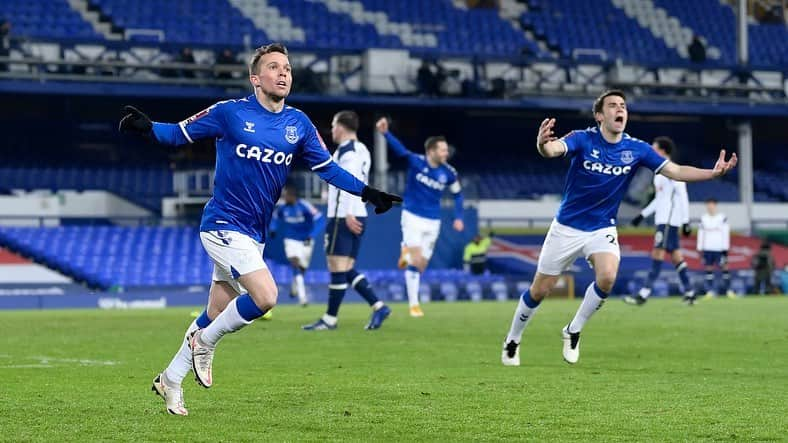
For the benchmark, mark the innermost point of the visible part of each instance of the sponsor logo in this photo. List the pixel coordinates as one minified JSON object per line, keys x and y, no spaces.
{"x":249,"y":127}
{"x":430,"y":182}
{"x":595,"y":153}
{"x":264,"y":155}
{"x":606,"y":169}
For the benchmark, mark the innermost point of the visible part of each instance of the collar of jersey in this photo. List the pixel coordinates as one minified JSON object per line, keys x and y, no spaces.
{"x":253,"y":99}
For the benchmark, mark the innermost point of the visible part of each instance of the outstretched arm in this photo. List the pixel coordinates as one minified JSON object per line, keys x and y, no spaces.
{"x":692,"y":174}
{"x":547,"y":143}
{"x":396,"y":146}
{"x":205,"y":124}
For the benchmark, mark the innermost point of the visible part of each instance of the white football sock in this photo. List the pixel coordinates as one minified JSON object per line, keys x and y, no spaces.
{"x":522,"y":316}
{"x":300,"y":288}
{"x":592,"y":301}
{"x":412,"y":285}
{"x":182,"y":361}
{"x":378,"y":304}
{"x":229,"y":320}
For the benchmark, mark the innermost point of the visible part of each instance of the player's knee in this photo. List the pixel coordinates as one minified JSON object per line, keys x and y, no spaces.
{"x":606,"y":280}
{"x":540,"y":290}
{"x":265,"y":299}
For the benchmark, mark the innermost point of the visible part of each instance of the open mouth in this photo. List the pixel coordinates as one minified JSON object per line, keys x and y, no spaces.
{"x":281,"y":83}
{"x":619,"y":119}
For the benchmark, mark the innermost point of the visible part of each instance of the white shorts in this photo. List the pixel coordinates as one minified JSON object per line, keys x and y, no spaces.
{"x":420,"y":232}
{"x":233,"y":254}
{"x":563,"y":245}
{"x":297,"y":249}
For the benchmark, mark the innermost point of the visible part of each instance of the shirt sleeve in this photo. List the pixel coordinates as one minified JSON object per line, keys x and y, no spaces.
{"x":701,"y":233}
{"x":398,"y":148}
{"x":456,"y":189}
{"x":650,"y":159}
{"x":316,"y":156}
{"x":573,"y":142}
{"x":208,"y":123}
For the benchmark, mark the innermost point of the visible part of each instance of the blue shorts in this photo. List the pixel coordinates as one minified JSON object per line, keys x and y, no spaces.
{"x":711,"y":258}
{"x":667,"y":238}
{"x":340,"y":241}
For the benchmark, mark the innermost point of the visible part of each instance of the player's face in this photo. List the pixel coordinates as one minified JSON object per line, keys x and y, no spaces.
{"x":440,"y":153}
{"x":336,"y":131}
{"x":614,"y":114}
{"x":711,"y":208}
{"x":274,"y":75}
{"x":290,"y":197}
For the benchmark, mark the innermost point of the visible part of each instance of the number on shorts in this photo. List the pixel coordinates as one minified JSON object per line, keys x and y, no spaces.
{"x":611,"y":238}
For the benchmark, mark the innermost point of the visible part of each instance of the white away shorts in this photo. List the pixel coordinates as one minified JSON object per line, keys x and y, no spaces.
{"x":563,"y":245}
{"x":420,"y":232}
{"x":299,"y":250}
{"x":233,"y":255}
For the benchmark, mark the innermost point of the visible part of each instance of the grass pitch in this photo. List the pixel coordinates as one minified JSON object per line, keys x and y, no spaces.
{"x":662,"y":372}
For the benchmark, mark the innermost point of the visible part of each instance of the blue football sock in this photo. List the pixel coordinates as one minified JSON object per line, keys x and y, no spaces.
{"x":336,"y":292}
{"x":726,"y":280}
{"x":203,"y":320}
{"x":656,"y":267}
{"x":360,"y":283}
{"x":709,"y":281}
{"x":247,"y":308}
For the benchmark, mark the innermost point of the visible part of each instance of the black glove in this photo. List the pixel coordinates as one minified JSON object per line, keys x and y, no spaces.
{"x":637,"y":220}
{"x":135,"y":122}
{"x":686,"y":229}
{"x":379,"y":199}
{"x":307,"y":242}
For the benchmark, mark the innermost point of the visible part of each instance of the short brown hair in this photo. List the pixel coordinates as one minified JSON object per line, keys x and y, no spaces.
{"x":600,"y":101}
{"x":261,"y":51}
{"x":432,"y":142}
{"x":666,"y":144}
{"x":348,"y":119}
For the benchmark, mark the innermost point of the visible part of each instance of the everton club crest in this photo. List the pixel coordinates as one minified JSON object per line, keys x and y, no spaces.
{"x":291,"y":135}
{"x":627,"y":157}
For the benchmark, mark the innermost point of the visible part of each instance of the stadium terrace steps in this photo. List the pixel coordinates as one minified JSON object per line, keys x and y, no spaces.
{"x":270,"y":19}
{"x":669,"y":29}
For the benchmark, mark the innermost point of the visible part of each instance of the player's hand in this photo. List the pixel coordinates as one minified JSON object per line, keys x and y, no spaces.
{"x":382,"y":125}
{"x":379,"y":199}
{"x":353,"y":224}
{"x":686,"y":229}
{"x":135,"y":122}
{"x":458,"y":225}
{"x":308,"y":242}
{"x":637,"y":220}
{"x":722,"y":167}
{"x":546,"y":133}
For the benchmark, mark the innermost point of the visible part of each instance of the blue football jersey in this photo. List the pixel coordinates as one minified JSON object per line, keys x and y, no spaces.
{"x":255,"y":149}
{"x":297,"y":221}
{"x":425,"y":185}
{"x":598,"y":176}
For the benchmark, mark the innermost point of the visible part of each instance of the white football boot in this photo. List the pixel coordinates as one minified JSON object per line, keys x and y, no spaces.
{"x":173,"y":397}
{"x":571,"y":345}
{"x":510,"y":356}
{"x":202,"y":359}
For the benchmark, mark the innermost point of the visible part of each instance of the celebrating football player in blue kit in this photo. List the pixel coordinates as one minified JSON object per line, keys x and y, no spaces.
{"x":257,"y":138}
{"x":603,"y":160}
{"x":429,"y":175}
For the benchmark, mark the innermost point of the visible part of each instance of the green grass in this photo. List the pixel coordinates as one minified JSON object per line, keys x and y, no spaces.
{"x":663,"y":372}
